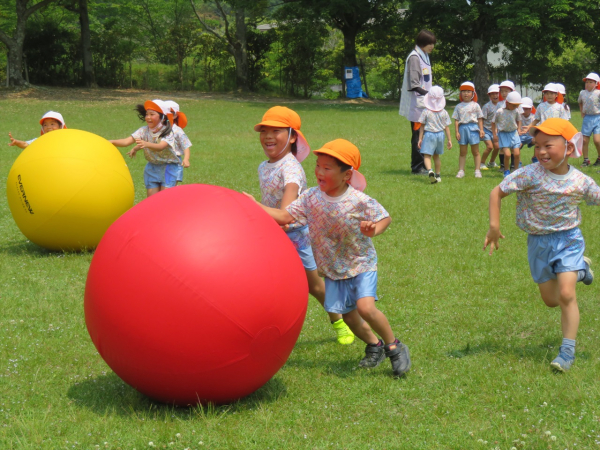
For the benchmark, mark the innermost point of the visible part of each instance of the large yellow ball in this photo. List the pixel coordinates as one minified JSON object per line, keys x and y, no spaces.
{"x":66,"y":188}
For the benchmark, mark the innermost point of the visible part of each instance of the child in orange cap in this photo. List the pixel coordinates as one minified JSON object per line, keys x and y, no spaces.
{"x":282,"y":180}
{"x":158,"y":142}
{"x":548,"y":195}
{"x":468,"y":124}
{"x":178,"y":122}
{"x":342,"y":220}
{"x":50,"y":121}
{"x":589,"y":105}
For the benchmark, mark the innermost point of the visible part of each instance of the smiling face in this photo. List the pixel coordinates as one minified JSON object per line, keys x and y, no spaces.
{"x":590,"y":85}
{"x":466,"y":96}
{"x":152,"y":118}
{"x":550,"y":152}
{"x":330,"y":177}
{"x":494,"y":97}
{"x":273,"y":141}
{"x":49,"y":125}
{"x":550,"y":96}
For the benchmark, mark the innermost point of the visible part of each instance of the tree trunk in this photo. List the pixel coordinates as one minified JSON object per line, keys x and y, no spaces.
{"x":240,"y":51}
{"x":349,"y":46}
{"x":481,"y":75}
{"x":86,"y":45}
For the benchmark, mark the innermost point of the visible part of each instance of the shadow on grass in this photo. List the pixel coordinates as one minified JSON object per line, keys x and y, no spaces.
{"x":31,"y":249}
{"x":109,"y":395}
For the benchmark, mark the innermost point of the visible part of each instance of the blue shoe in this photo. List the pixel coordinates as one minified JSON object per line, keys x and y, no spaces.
{"x":506,"y":173}
{"x":563,"y":361}
{"x":589,"y":273}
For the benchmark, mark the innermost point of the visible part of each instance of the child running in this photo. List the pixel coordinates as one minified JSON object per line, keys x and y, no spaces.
{"x":589,"y":105}
{"x":548,"y":195}
{"x":342,"y":220}
{"x":505,"y":126}
{"x":468,"y":125}
{"x":282,"y":180}
{"x":50,"y":121}
{"x":158,"y":142}
{"x":178,"y":122}
{"x":431,"y":136}
{"x":491,"y":143}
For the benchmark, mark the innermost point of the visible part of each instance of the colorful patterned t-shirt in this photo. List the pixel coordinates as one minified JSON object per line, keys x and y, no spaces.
{"x":506,"y":119}
{"x":547,"y":111}
{"x":435,"y":121}
{"x":590,"y":101}
{"x":467,"y":112}
{"x":341,"y":250}
{"x":181,"y":140}
{"x":546,"y":202}
{"x":164,"y":156}
{"x":526,"y":121}
{"x":488,"y":111}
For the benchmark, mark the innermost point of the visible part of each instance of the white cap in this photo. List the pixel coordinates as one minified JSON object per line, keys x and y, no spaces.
{"x":171,"y":106}
{"x":551,"y":87}
{"x":494,"y":88}
{"x":508,"y":84}
{"x":561,"y":89}
{"x":514,"y":97}
{"x":592,"y":76}
{"x":526,"y":102}
{"x":52,"y":115}
{"x":468,"y":83}
{"x":156,"y":104}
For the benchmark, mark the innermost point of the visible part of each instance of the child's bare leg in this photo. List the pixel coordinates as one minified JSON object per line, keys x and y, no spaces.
{"x":427,"y":161}
{"x":489,"y":147}
{"x":597,"y":143}
{"x":496,"y":144}
{"x":506,"y":152}
{"x":376,"y":319}
{"x":585,"y":147}
{"x":517,"y":155}
{"x":462,"y":157}
{"x":561,"y":292}
{"x":316,"y":288}
{"x":359,"y":327}
{"x":476,"y":155}
{"x":152,"y":191}
{"x":438,"y":163}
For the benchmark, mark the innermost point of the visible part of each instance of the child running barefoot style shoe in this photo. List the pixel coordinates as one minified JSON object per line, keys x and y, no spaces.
{"x":431,"y":136}
{"x":282,"y":179}
{"x":468,"y":125}
{"x":342,"y":220}
{"x":50,"y":121}
{"x":548,"y":195}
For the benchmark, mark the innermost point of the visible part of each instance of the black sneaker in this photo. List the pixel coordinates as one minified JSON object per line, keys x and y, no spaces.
{"x":432,"y":178}
{"x":399,"y":357}
{"x":586,"y":163}
{"x":373,"y":356}
{"x":597,"y":163}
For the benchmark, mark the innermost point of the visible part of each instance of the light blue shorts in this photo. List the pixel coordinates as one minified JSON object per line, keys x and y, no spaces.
{"x":469,"y":134}
{"x":509,"y":139}
{"x":301,"y":241}
{"x":553,"y":253}
{"x":489,"y":136}
{"x":160,"y":175}
{"x":179,"y":173}
{"x":526,"y":139}
{"x":341,"y":295}
{"x":591,"y":125}
{"x":433,"y":143}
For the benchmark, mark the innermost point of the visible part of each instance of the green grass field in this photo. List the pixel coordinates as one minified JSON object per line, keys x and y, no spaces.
{"x":481,"y":339}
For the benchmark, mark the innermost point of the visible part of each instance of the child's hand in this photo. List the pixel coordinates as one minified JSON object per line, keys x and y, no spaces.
{"x":367,"y":227}
{"x":13,"y":141}
{"x":491,"y":239}
{"x":419,"y":143}
{"x":132,"y":152}
{"x":449,"y":144}
{"x":185,"y":163}
{"x":481,"y":134}
{"x":250,"y":196}
{"x":457,"y":136}
{"x":526,"y":129}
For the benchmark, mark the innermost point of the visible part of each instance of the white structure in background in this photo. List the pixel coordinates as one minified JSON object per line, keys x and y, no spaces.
{"x":495,"y":60}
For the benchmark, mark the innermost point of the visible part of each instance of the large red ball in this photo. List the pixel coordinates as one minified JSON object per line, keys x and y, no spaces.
{"x":195,"y":295}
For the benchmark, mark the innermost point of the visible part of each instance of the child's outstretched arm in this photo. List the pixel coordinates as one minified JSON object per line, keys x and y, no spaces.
{"x":493,"y":234}
{"x":15,"y":142}
{"x":372,"y":229}
{"x":126,"y":142}
{"x":140,"y":144}
{"x":281,"y":216}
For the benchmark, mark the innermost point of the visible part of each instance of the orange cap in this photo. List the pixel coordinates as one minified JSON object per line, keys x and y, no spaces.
{"x":155,"y":105}
{"x":557,"y":127}
{"x":280,"y":116}
{"x":347,"y":153}
{"x":468,"y":86}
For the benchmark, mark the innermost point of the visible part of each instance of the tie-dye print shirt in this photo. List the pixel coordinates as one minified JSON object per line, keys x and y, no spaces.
{"x":590,"y":102}
{"x":181,"y":140}
{"x":341,"y":250}
{"x":488,"y":111}
{"x":435,"y":121}
{"x":547,"y":111}
{"x":165,"y":156}
{"x":506,"y":119}
{"x":546,"y":202}
{"x":467,"y":112}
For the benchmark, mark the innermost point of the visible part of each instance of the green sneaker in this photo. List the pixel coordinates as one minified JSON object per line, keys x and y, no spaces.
{"x":345,"y":336}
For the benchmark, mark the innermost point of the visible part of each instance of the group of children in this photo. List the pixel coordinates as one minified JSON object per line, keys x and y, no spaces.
{"x":331,"y":225}
{"x":503,"y":124}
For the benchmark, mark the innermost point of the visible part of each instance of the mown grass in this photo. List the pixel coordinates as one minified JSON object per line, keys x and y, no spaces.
{"x":480,"y":338}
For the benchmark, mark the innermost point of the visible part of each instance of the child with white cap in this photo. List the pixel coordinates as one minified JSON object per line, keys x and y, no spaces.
{"x":50,"y":121}
{"x":589,"y":105}
{"x":158,"y":142}
{"x":562,"y":99}
{"x":526,"y":120}
{"x":178,"y":122}
{"x":506,"y":87}
{"x":505,"y":125}
{"x":342,"y":220}
{"x":548,"y":195}
{"x":435,"y":121}
{"x":549,"y":108}
{"x":282,"y":180}
{"x":491,"y":143}
{"x":468,"y":125}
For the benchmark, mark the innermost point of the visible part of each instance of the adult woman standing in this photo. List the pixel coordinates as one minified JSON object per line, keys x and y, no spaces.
{"x":417,"y":82}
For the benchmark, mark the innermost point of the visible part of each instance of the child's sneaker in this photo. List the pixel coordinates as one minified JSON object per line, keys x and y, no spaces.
{"x":563,"y":361}
{"x":399,"y":357}
{"x":597,"y":163}
{"x":345,"y":336}
{"x":492,"y":165}
{"x":373,"y":356}
{"x":586,"y":163}
{"x":506,"y":173}
{"x":589,"y":273}
{"x":478,"y":174}
{"x":460,"y":174}
{"x":438,"y":178}
{"x":483,"y":167}
{"x":432,"y":179}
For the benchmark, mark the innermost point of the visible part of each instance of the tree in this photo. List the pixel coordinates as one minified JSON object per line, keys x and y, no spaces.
{"x":14,"y":43}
